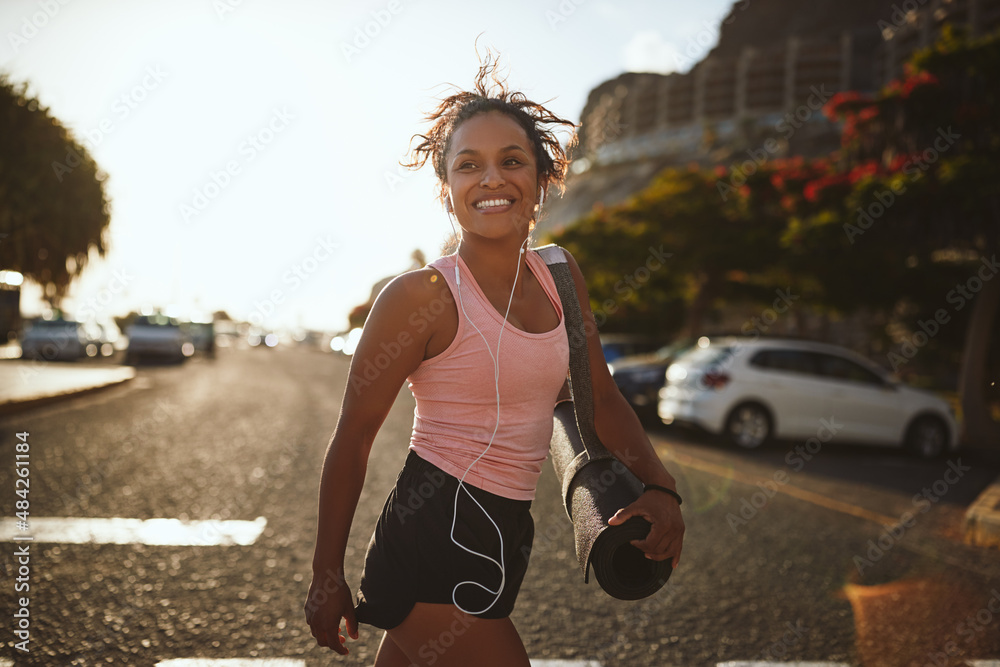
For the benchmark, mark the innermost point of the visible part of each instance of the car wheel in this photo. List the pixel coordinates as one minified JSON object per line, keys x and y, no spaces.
{"x":927,"y":437}
{"x":748,"y":426}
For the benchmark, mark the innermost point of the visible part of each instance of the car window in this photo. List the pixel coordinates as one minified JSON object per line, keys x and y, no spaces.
{"x":157,"y":320}
{"x":832,"y":366}
{"x":706,"y":356}
{"x":789,"y":361}
{"x":55,"y":324}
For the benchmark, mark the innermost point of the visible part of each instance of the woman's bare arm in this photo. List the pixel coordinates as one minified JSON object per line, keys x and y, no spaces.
{"x":372,"y":388}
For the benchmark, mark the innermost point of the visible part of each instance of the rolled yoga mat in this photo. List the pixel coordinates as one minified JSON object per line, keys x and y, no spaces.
{"x":593,"y":490}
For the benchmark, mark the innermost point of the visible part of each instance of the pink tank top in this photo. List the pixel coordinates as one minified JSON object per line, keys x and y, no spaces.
{"x":456,"y":398}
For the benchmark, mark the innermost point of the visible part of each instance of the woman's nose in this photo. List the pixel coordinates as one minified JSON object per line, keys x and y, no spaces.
{"x":492,"y":177}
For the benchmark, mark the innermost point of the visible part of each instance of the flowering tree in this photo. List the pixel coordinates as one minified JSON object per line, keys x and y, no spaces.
{"x":716,"y":249}
{"x":910,"y":203}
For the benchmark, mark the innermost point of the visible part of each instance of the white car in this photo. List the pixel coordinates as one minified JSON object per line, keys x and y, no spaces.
{"x":755,"y":390}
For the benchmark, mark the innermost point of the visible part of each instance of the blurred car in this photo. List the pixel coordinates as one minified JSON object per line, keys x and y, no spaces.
{"x":158,"y":336}
{"x":616,"y":346}
{"x":641,"y":376}
{"x":52,"y":340}
{"x":262,"y":339}
{"x":100,"y":339}
{"x":203,"y":336}
{"x":753,"y":391}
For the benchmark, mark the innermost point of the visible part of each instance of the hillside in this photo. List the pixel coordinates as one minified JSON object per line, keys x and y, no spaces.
{"x":764,"y":23}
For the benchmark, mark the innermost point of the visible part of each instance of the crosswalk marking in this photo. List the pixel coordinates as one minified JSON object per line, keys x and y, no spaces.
{"x":744,"y":663}
{"x":232,"y":662}
{"x":288,"y":662}
{"x":171,"y":532}
{"x":751,"y":663}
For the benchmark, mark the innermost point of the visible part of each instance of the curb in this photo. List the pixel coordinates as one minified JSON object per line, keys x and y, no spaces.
{"x":14,"y":405}
{"x":982,"y":519}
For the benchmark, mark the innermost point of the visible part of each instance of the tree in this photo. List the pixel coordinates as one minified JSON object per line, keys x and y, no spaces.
{"x":718,"y":247}
{"x":926,"y":152}
{"x":53,"y":206}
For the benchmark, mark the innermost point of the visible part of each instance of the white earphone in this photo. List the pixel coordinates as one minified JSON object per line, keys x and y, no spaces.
{"x":496,"y":378}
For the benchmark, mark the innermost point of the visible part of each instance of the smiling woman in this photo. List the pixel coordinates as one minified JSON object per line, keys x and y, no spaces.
{"x":451,"y":547}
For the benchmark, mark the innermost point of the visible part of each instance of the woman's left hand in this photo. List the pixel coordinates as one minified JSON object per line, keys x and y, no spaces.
{"x":666,"y":536}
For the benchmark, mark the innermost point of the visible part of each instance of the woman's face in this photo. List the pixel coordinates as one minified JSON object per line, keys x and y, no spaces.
{"x":492,"y":176}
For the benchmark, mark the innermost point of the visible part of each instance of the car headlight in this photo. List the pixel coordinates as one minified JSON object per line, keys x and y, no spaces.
{"x":676,"y":373}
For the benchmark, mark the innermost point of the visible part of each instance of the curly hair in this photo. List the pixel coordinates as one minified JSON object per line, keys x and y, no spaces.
{"x":537,"y":121}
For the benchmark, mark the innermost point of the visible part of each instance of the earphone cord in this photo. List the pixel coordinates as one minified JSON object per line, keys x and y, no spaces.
{"x":461,"y":485}
{"x":496,"y":379}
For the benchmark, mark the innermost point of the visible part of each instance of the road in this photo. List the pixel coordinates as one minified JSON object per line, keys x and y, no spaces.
{"x":782,"y":561}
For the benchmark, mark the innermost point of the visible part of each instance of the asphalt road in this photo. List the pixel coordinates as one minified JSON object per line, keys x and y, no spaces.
{"x":791,"y":566}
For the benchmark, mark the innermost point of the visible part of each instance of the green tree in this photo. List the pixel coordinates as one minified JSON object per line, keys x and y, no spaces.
{"x":720,"y":249}
{"x":922,"y":212}
{"x":53,"y":206}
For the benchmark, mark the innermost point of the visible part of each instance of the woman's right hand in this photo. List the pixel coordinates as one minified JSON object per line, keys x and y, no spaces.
{"x":328,"y":602}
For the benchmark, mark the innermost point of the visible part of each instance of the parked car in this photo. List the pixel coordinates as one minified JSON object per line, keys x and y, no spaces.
{"x":158,"y":336}
{"x":641,"y":376}
{"x":203,"y":336}
{"x":100,"y":339}
{"x":616,"y":346}
{"x":52,"y":340}
{"x":753,"y":391}
{"x":262,"y":339}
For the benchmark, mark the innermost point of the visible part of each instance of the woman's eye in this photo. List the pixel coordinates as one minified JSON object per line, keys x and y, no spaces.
{"x":466,"y":165}
{"x":512,"y":160}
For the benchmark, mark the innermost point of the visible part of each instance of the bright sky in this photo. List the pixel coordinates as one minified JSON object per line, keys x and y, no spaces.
{"x":252,"y":145}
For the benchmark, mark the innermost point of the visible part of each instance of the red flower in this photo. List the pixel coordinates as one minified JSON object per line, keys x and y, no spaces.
{"x":868,"y":113}
{"x":862,"y":171}
{"x":811,"y":191}
{"x":832,"y":109}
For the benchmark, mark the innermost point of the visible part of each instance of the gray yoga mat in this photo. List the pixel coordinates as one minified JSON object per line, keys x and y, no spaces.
{"x":595,"y":484}
{"x":593,"y":491}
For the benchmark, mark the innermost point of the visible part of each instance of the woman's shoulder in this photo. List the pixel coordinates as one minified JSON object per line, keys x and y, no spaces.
{"x":417,"y":286}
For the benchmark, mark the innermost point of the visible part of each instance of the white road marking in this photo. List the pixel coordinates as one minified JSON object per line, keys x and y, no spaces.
{"x":171,"y":532}
{"x":287,"y":662}
{"x":232,"y":662}
{"x":744,"y":663}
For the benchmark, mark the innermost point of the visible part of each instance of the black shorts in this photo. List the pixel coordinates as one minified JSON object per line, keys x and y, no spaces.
{"x":411,"y":557}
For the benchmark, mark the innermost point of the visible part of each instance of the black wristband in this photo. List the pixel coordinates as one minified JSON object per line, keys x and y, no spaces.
{"x":657,"y":487}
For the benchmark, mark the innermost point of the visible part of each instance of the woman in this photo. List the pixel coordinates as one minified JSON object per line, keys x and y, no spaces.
{"x":441,"y":575}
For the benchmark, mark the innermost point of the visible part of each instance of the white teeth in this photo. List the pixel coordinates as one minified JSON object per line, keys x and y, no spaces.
{"x":493,"y":202}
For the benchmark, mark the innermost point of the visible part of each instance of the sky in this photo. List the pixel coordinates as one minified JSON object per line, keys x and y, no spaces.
{"x":252,"y":146}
